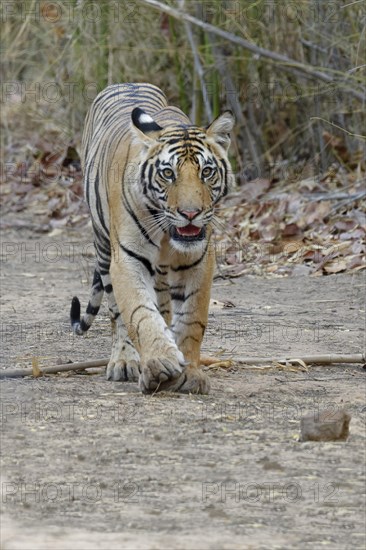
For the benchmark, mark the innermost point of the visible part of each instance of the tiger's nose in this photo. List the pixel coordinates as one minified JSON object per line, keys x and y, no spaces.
{"x":190,"y":213}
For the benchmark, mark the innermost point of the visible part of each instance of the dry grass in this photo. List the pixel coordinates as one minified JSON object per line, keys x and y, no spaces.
{"x":59,"y":55}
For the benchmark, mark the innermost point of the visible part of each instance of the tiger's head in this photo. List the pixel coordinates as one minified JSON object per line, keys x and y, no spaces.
{"x":184,"y":172}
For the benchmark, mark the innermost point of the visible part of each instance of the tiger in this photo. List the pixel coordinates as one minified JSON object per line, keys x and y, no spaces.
{"x":152,"y":180}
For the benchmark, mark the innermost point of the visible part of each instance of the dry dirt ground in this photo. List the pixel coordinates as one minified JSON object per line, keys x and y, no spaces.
{"x":92,"y":464}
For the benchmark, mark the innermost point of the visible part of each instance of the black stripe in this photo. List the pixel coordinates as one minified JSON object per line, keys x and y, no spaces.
{"x":100,"y":237}
{"x":143,"y":178}
{"x":93,"y":310}
{"x":108,"y":288}
{"x":143,"y":167}
{"x":182,"y":384}
{"x":104,"y":268}
{"x":149,"y":178}
{"x":135,"y":93}
{"x":153,"y":211}
{"x":141,"y":228}
{"x":190,"y":323}
{"x":225,"y":178}
{"x":177,"y":297}
{"x":138,"y":325}
{"x":191,"y":145}
{"x":191,"y":338}
{"x":135,"y":219}
{"x":158,"y":339}
{"x":101,"y":249}
{"x":99,"y":203}
{"x":84,"y":326}
{"x":178,"y":148}
{"x":173,"y":140}
{"x":157,"y":189}
{"x":140,"y":307}
{"x":185,"y":266}
{"x":141,"y":259}
{"x":183,"y":297}
{"x":97,"y":281}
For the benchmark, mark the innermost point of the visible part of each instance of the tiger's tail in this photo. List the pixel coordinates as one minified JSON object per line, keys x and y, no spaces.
{"x":81,"y":326}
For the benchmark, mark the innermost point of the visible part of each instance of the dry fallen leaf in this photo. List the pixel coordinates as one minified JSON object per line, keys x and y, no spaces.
{"x":335,"y":266}
{"x":270,"y":226}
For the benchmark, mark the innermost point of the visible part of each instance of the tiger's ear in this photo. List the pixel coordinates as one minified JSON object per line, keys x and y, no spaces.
{"x":144,"y":126}
{"x":220,"y":129}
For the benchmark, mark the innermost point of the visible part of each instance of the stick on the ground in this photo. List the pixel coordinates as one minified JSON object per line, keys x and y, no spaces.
{"x":19,"y":373}
{"x":328,"y":359}
{"x":310,"y":359}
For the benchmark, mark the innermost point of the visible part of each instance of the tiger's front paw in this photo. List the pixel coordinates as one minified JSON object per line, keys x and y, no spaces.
{"x":124,"y":371}
{"x":124,"y":364}
{"x":157,"y":371}
{"x":192,"y":380}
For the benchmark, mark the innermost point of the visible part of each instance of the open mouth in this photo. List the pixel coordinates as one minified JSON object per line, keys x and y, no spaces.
{"x":188,"y":233}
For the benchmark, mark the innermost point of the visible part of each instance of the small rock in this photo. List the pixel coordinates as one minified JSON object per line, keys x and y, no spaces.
{"x":272,"y":465}
{"x":326,"y":425}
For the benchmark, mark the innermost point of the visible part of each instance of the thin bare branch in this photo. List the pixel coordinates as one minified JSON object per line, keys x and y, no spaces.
{"x":198,"y":66}
{"x":280,"y":59}
{"x":19,"y":373}
{"x":234,"y":102}
{"x":360,"y":136}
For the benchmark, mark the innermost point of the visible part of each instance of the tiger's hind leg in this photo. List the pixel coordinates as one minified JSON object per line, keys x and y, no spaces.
{"x":124,"y":362}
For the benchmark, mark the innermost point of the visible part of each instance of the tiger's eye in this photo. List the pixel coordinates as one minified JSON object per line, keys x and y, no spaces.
{"x":208,"y":171}
{"x":167,"y":173}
